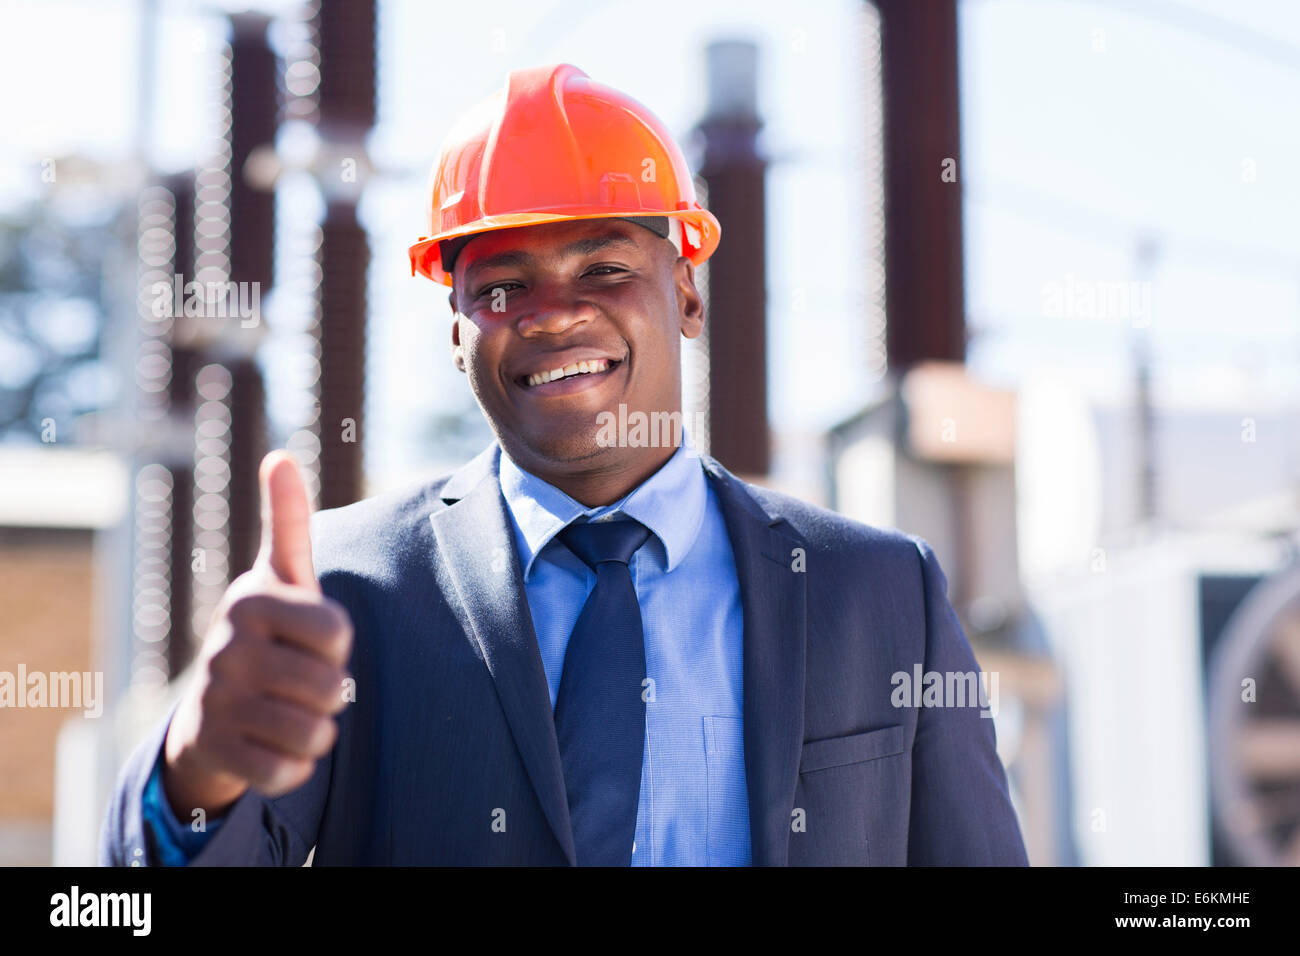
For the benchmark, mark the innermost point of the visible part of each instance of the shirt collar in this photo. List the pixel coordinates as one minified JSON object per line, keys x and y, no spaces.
{"x":670,"y":503}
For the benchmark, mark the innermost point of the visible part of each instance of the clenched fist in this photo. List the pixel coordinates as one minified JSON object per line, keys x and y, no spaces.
{"x":269,"y":680}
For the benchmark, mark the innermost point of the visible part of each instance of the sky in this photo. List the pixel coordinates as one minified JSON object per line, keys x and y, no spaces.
{"x":1090,"y":129}
{"x":1180,"y":132}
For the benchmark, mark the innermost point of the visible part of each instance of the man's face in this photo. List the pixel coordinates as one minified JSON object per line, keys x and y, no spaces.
{"x":535,"y":299}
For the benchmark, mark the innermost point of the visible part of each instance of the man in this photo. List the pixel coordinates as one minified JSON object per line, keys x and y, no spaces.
{"x":585,"y":646}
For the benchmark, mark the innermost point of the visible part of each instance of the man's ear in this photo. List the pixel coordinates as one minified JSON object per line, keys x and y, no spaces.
{"x":690,"y":304}
{"x":457,"y":351}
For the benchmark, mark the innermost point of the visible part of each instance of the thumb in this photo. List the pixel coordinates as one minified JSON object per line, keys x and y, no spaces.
{"x":286,"y":513}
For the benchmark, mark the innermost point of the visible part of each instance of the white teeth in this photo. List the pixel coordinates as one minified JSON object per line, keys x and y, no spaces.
{"x":573,"y":368}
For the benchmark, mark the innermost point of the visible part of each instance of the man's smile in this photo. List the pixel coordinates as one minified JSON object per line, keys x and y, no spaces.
{"x":564,"y":376}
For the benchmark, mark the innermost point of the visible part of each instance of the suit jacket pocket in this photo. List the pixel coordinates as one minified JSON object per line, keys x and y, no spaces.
{"x":855,"y":748}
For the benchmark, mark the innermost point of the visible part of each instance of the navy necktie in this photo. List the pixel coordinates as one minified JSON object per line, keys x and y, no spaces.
{"x":599,"y":710}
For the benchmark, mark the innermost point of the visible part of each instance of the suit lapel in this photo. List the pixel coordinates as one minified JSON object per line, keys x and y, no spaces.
{"x":478,"y":550}
{"x":773,"y":602}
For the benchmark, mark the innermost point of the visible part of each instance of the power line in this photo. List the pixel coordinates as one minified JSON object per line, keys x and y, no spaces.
{"x":1103,"y":227}
{"x":1209,"y":26}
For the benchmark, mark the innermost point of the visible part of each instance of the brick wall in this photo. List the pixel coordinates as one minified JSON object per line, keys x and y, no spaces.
{"x":46,"y":610}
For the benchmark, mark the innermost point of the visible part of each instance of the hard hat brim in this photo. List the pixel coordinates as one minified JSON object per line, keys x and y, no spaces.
{"x":702,"y":234}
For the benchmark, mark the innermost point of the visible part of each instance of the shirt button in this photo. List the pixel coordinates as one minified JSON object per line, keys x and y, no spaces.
{"x":634,"y":846}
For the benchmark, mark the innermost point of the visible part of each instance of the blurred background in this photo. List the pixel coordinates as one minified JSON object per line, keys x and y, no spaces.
{"x":1020,"y":277}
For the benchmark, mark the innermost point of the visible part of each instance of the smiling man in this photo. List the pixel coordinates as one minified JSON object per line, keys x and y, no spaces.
{"x":571,"y":650}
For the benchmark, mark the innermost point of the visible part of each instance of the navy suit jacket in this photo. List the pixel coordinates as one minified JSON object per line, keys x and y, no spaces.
{"x":448,"y":754}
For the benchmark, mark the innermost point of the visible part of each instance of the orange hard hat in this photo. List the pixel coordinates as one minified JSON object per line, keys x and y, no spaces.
{"x":554,"y":145}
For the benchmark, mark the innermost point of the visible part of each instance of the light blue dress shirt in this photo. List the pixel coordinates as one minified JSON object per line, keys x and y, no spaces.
{"x":694,"y":808}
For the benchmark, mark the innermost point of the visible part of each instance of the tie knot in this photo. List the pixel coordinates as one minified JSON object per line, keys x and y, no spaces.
{"x":597,"y":541}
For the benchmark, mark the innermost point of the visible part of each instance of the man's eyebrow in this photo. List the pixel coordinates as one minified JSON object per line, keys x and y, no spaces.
{"x":596,"y":243}
{"x":580,"y":247}
{"x":512,"y":258}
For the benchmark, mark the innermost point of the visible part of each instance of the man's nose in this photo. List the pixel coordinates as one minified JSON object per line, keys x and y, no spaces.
{"x":553,"y":310}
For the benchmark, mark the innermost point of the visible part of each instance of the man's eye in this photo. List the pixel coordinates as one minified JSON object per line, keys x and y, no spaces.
{"x":488,"y":289}
{"x":597,"y":270}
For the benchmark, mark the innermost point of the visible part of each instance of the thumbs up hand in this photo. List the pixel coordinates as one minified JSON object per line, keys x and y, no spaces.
{"x":269,"y":680}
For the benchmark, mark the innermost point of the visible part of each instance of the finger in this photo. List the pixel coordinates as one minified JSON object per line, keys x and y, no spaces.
{"x":302,"y":679}
{"x":286,"y":517}
{"x":268,"y":771}
{"x":285,"y":728}
{"x":299,"y":618}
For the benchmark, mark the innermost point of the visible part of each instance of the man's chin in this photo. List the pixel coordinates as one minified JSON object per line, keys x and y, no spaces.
{"x":571,"y":447}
